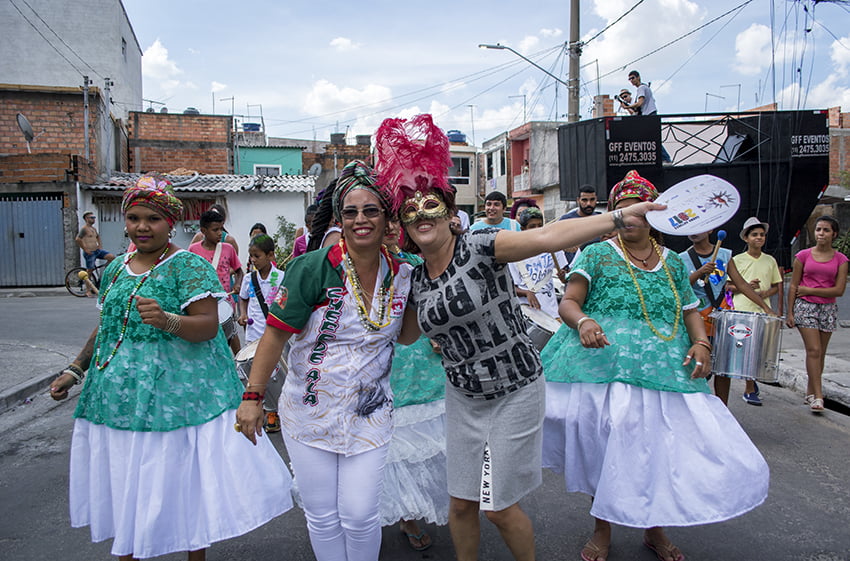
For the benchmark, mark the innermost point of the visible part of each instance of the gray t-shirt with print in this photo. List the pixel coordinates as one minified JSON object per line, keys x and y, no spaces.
{"x":472,"y":311}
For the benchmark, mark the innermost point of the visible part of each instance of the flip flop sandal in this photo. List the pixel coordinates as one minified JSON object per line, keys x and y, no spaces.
{"x":817,"y":405}
{"x":418,"y":537}
{"x":666,"y":551}
{"x":594,"y":552}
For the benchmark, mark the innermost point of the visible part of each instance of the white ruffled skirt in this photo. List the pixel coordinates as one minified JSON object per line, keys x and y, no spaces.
{"x":415,"y":485}
{"x":652,"y":458}
{"x":181,"y":490}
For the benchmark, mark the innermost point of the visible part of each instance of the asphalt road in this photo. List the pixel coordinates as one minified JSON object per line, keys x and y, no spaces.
{"x":806,"y":517}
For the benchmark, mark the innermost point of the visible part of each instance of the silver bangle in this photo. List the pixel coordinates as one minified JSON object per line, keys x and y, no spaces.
{"x":617,"y":217}
{"x":77,"y":378}
{"x":581,"y":321}
{"x":172,"y":323}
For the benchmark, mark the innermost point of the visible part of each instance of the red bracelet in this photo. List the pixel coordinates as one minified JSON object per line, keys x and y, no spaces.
{"x":252,"y":396}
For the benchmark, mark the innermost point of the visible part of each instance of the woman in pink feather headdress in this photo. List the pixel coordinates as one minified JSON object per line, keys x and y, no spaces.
{"x":465,"y":301}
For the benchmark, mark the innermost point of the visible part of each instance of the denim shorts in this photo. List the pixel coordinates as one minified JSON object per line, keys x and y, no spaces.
{"x":91,"y":258}
{"x":823,"y":317}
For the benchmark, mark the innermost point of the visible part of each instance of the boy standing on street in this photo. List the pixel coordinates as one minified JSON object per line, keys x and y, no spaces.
{"x":89,"y":241}
{"x":762,"y":273}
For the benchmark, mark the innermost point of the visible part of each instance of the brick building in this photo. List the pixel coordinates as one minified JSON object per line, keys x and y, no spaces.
{"x":168,"y":141}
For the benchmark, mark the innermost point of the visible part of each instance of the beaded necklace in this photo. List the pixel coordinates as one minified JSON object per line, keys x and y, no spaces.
{"x":383,"y":305}
{"x":126,"y":319}
{"x":640,"y":292}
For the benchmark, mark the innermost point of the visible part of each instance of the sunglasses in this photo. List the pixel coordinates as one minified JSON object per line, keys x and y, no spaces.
{"x":368,"y":212}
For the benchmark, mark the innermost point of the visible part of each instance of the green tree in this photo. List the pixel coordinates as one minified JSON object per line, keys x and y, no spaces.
{"x":284,"y":238}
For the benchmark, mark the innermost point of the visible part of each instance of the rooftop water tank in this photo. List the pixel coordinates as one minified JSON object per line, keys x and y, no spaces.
{"x":456,"y":136}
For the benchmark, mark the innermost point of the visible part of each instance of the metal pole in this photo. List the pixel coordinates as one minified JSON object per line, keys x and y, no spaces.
{"x":472,"y":121}
{"x":524,"y":114}
{"x":86,"y":117}
{"x":575,"y":53}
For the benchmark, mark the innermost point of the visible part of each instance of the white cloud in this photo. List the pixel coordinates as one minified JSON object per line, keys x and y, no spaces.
{"x":528,"y":44}
{"x":344,"y":44}
{"x":325,"y":97}
{"x":216,"y":87}
{"x":551,"y":33}
{"x":833,"y":91}
{"x":752,"y":49}
{"x":157,"y":65}
{"x":840,"y":54}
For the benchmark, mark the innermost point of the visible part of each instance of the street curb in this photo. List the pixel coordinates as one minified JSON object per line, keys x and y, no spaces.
{"x":835,"y":378}
{"x":33,"y":292}
{"x":15,"y":395}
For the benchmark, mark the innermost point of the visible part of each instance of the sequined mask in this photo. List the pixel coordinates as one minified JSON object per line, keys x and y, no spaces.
{"x":423,"y":207}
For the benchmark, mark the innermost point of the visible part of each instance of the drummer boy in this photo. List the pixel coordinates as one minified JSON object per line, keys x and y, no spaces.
{"x":762,"y":273}
{"x":223,"y":258}
{"x":709,"y":278}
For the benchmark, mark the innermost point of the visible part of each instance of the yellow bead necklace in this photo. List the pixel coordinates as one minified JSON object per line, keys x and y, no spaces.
{"x":678,"y":312}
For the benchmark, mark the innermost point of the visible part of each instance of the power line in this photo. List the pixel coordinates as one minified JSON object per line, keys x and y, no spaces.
{"x":37,"y":30}
{"x":664,"y":46}
{"x":607,"y":27}
{"x":47,"y":25}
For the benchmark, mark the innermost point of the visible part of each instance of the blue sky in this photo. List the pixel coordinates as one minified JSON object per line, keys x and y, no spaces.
{"x":341,"y":66}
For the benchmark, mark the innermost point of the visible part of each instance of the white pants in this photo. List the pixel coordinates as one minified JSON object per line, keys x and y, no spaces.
{"x":341,"y":496}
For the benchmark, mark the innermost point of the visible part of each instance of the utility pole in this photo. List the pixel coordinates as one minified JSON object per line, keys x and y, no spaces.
{"x":472,"y":121}
{"x":575,"y":53}
{"x":86,"y":84}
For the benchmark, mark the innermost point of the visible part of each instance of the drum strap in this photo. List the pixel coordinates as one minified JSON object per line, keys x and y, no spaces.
{"x":714,"y":300}
{"x":255,"y":280}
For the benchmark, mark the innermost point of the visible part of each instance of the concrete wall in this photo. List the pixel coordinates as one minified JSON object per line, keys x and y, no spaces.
{"x":289,"y":159}
{"x":93,"y":31}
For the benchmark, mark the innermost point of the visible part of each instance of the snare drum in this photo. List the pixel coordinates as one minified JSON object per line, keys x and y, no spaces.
{"x":746,"y":345}
{"x":226,"y":318}
{"x":245,"y":358}
{"x":541,"y":326}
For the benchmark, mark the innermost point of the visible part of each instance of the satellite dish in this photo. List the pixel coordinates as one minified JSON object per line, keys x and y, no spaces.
{"x":315,"y":170}
{"x":26,"y":127}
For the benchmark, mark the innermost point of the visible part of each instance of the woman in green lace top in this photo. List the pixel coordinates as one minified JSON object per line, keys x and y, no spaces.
{"x":629,"y":417}
{"x":154,"y":437}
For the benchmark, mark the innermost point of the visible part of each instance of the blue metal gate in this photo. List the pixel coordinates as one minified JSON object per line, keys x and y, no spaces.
{"x":31,"y":240}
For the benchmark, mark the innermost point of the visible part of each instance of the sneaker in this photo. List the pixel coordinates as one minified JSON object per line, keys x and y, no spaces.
{"x":752,"y":398}
{"x":756,"y":388}
{"x":272,"y":423}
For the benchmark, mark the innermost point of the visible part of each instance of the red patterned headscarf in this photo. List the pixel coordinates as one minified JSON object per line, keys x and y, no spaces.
{"x":633,"y":186}
{"x":156,"y":192}
{"x":412,"y":156}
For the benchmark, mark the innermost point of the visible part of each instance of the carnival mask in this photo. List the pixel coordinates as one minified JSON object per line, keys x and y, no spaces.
{"x":419,"y":207}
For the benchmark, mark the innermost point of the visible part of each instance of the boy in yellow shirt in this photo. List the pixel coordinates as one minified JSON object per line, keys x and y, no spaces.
{"x":762,"y":273}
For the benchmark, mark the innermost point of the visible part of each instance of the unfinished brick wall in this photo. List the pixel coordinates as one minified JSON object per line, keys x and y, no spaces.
{"x":46,"y":168}
{"x":58,"y":113}
{"x":839,"y":147}
{"x":167,"y":141}
{"x":36,"y":168}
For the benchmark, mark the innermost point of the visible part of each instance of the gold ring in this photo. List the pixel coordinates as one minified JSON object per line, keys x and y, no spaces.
{"x":237,"y":427}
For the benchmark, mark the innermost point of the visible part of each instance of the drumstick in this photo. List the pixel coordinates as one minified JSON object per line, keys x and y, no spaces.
{"x":84,"y":276}
{"x":721,"y":235}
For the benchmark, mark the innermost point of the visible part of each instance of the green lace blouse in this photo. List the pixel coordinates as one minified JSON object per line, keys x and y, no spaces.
{"x":636,"y":355}
{"x":158,"y":381}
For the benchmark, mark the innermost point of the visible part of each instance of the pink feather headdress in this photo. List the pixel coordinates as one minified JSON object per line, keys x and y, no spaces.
{"x":412,"y":155}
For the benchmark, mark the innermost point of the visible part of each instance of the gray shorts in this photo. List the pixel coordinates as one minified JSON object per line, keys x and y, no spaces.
{"x":494,"y":446}
{"x":823,"y":317}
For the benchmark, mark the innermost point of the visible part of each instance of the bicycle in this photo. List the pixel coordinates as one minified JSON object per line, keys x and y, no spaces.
{"x":75,"y":283}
